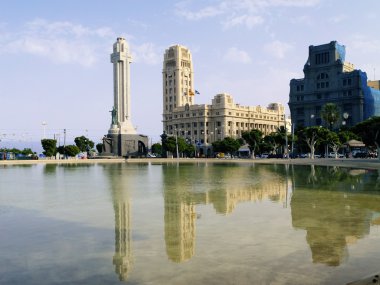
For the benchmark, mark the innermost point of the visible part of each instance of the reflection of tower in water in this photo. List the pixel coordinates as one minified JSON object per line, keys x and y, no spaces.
{"x":181,"y":196}
{"x":119,"y":182}
{"x":179,"y":226}
{"x":123,"y":256}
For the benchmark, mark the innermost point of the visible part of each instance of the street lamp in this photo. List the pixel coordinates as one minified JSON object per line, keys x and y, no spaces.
{"x":176,"y":141}
{"x":286,"y":138}
{"x":345,"y":117}
{"x":44,"y":129}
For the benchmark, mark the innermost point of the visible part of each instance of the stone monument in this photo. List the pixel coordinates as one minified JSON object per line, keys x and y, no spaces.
{"x":122,"y":139}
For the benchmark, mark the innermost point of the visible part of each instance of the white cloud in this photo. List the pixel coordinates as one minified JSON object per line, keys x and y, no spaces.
{"x":206,"y":12}
{"x":244,"y":20}
{"x":235,"y":55}
{"x":278,"y":49}
{"x":60,"y":42}
{"x":369,"y":45}
{"x":338,"y":19}
{"x":248,"y":13}
{"x":69,"y":43}
{"x":146,"y":53}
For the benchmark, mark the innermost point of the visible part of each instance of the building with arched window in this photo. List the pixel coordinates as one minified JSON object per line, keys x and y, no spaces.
{"x":330,"y":79}
{"x":202,"y":124}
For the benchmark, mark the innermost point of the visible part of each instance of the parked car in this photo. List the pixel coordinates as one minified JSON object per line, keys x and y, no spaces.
{"x":360,"y":154}
{"x":335,"y":155}
{"x":264,"y":155}
{"x":151,"y":155}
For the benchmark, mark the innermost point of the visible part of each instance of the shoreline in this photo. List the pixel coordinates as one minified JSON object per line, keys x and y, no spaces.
{"x":341,"y":162}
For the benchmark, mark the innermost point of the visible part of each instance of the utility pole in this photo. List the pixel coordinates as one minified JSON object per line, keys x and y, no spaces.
{"x":286,"y":138}
{"x":64,"y":143}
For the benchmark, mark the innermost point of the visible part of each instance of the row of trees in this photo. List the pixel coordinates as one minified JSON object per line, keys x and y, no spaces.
{"x":82,"y":144}
{"x":25,"y":151}
{"x":316,"y":139}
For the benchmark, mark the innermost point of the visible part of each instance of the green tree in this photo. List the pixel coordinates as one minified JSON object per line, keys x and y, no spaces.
{"x":156,"y":148}
{"x":99,"y":147}
{"x":71,"y":150}
{"x":276,"y":140}
{"x":345,"y":136}
{"x":227,"y":145}
{"x":324,"y":138}
{"x":27,"y":151}
{"x":182,"y":145}
{"x":217,"y":146}
{"x":270,"y":143}
{"x":61,"y":149}
{"x":311,"y":136}
{"x":334,"y":142}
{"x":83,"y":143}
{"x":170,"y":144}
{"x":49,"y":146}
{"x":231,"y":145}
{"x":164,"y":140}
{"x":253,"y":138}
{"x":190,"y":150}
{"x":369,"y":131}
{"x":330,"y":114}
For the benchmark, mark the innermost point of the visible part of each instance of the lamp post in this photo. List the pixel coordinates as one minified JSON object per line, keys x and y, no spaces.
{"x":286,"y":138}
{"x":44,"y":129}
{"x":176,"y":142}
{"x":345,"y":117}
{"x":292,"y":126}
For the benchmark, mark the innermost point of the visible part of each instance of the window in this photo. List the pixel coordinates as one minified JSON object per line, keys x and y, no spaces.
{"x":300,"y":111}
{"x":322,"y":58}
{"x":322,"y":80}
{"x":317,"y":110}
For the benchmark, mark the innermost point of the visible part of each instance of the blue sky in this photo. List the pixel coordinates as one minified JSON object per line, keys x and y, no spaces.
{"x":55,"y":56}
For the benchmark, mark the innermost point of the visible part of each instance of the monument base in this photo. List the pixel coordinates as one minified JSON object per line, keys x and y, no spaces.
{"x":125,"y":145}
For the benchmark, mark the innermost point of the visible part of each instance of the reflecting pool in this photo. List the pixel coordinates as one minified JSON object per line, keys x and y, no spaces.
{"x":199,"y":223}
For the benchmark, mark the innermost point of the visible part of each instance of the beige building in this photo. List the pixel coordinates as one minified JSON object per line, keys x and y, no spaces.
{"x":202,"y":124}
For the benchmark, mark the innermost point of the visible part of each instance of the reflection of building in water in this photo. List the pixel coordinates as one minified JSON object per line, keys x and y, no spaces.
{"x":179,"y":227}
{"x":225,"y":200}
{"x":123,"y":256}
{"x":332,"y":220}
{"x":181,"y":197}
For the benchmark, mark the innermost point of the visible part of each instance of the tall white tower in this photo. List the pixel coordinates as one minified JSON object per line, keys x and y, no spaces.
{"x":121,"y":112}
{"x":177,"y":78}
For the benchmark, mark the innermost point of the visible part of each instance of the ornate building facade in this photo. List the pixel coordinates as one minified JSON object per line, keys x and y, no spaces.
{"x":329,"y":78}
{"x":202,"y":124}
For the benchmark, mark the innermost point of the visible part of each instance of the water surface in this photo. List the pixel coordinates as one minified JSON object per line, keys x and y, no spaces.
{"x":188,"y":224}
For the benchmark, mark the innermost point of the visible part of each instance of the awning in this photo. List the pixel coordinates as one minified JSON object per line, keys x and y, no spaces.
{"x":355,"y":143}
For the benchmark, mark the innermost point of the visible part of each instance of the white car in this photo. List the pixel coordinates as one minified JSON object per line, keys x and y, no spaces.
{"x":334,"y":155}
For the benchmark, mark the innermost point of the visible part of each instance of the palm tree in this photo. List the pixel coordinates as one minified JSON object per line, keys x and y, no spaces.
{"x":330,"y":113}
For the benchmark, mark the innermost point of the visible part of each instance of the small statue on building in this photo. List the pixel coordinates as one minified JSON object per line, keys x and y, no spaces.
{"x":113,"y":116}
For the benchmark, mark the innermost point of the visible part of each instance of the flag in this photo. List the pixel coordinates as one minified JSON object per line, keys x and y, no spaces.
{"x":197,"y":92}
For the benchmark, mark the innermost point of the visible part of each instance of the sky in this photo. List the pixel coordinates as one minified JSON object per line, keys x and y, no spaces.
{"x":56,"y":74}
